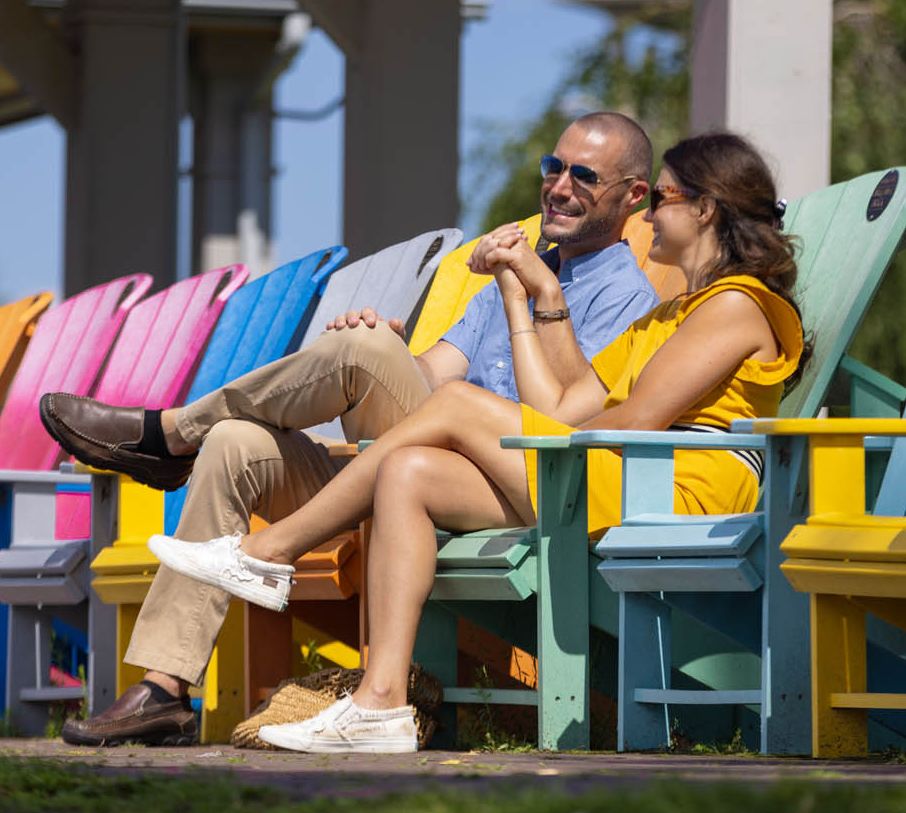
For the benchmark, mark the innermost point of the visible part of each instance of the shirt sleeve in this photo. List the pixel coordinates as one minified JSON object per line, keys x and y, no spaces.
{"x":467,"y":332}
{"x":606,"y":318}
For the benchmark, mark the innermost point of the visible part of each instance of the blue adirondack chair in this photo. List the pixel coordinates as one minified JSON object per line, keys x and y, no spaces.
{"x":722,"y":570}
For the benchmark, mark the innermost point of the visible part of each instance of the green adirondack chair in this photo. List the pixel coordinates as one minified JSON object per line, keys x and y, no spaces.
{"x":540,"y":587}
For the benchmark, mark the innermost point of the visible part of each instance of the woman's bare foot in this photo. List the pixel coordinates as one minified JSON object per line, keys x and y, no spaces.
{"x":268,"y":546}
{"x":175,"y":444}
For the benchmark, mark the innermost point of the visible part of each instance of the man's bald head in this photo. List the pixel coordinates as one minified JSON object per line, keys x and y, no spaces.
{"x":636,"y":157}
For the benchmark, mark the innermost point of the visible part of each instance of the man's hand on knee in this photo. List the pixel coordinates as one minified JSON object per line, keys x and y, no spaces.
{"x":367,"y":316}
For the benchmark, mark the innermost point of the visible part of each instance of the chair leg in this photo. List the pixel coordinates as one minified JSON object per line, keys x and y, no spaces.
{"x":126,"y":674}
{"x":224,"y":686}
{"x":268,"y":648}
{"x":838,"y":665}
{"x":103,"y":655}
{"x":436,"y":651}
{"x":644,"y":663}
{"x":28,"y":667}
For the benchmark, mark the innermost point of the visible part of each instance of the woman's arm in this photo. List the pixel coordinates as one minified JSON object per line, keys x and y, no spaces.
{"x":705,"y":350}
{"x":547,"y":360}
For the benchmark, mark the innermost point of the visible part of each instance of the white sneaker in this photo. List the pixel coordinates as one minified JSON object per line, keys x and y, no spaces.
{"x":221,"y":563}
{"x":345,"y":728}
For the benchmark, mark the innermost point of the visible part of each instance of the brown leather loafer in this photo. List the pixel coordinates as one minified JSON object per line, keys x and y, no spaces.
{"x":136,"y":717}
{"x":107,"y":437}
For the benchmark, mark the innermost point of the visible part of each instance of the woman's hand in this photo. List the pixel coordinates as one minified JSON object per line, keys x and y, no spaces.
{"x":503,"y":236}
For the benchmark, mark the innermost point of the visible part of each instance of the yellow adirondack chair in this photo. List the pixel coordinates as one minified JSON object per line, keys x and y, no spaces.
{"x":850,"y":563}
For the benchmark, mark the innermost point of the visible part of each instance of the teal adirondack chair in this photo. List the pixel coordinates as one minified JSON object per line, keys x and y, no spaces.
{"x":538,"y":587}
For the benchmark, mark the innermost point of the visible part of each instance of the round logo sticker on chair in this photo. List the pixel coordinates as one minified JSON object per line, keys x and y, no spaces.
{"x":882,"y":194}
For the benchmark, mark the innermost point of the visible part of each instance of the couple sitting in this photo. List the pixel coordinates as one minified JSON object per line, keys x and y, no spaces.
{"x":526,"y":358}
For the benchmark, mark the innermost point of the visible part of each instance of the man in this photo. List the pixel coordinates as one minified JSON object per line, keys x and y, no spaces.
{"x":253,"y":460}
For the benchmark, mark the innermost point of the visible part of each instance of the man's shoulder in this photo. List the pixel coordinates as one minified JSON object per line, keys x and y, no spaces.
{"x":620,"y":272}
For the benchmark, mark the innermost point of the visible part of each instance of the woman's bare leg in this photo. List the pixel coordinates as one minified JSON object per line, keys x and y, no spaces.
{"x":458,"y":417}
{"x":418,"y":489}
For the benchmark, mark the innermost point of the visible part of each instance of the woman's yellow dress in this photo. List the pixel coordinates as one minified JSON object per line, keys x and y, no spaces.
{"x":705,"y":482}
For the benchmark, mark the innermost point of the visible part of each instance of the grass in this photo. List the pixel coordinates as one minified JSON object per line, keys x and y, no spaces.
{"x":30,"y":786}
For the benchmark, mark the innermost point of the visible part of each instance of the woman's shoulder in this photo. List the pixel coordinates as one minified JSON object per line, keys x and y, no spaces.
{"x":737,"y":291}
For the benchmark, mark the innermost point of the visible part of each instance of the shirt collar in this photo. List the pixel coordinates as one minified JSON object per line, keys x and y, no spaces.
{"x":584,"y":264}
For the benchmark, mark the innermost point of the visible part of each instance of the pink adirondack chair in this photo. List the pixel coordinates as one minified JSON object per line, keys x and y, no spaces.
{"x":151,"y":363}
{"x":66,"y":352}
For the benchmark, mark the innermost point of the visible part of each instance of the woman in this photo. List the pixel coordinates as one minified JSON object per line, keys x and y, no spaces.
{"x":722,"y":351}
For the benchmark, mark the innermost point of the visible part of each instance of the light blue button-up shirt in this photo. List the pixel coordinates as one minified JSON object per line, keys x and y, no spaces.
{"x":605,"y":291}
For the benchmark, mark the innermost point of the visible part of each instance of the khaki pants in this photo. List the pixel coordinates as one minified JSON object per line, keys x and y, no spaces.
{"x":254,"y":461}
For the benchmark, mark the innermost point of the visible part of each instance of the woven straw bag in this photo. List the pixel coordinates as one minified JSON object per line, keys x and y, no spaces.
{"x":300,"y":699}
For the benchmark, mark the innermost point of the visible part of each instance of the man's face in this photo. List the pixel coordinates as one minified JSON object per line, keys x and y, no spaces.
{"x":580,"y":215}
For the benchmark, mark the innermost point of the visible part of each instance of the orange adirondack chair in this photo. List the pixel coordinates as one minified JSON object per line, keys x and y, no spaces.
{"x":17,"y":324}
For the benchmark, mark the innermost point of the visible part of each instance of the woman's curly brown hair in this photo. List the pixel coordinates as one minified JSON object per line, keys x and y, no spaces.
{"x":727,"y":168}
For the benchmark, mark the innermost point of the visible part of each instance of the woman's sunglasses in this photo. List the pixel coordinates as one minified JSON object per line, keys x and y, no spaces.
{"x":553,"y":167}
{"x":665,"y":195}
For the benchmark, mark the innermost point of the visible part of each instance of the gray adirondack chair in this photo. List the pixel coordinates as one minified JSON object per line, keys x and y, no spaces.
{"x":394,"y":281}
{"x":538,"y":587}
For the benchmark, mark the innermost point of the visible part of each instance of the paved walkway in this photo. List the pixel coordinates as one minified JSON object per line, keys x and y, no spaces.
{"x":305,"y":776}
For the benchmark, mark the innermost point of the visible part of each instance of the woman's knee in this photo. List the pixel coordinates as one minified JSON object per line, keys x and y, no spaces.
{"x":404,"y":473}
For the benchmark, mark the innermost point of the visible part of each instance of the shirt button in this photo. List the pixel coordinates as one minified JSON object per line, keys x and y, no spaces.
{"x":500,"y":365}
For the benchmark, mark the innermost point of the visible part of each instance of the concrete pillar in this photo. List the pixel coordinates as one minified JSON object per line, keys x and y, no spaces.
{"x":122,"y":152}
{"x":402,"y":122}
{"x":763,"y":69}
{"x":231,"y":108}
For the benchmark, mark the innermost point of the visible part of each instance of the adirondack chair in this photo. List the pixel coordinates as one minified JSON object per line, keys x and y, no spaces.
{"x":156,"y":352}
{"x":17,"y":325}
{"x":125,"y":570}
{"x":851,"y":565}
{"x":68,"y":347}
{"x":737,"y":558}
{"x":260,"y":323}
{"x":686,"y":558}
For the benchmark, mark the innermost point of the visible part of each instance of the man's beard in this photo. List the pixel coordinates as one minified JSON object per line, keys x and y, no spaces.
{"x":588,"y":231}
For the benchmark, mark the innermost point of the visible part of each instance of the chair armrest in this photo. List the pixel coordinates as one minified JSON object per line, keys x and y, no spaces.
{"x":614,"y":438}
{"x":535,"y":442}
{"x":15,"y":476}
{"x":870,"y":393}
{"x":838,"y":427}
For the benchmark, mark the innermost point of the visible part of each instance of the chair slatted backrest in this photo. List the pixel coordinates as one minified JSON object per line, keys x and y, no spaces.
{"x":265,"y":320}
{"x":65,"y":353}
{"x":392,"y":281}
{"x":17,"y":325}
{"x":261,"y":323}
{"x":162,"y":340}
{"x":848,"y":238}
{"x":454,"y":284}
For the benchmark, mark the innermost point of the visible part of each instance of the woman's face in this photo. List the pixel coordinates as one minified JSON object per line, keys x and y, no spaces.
{"x":675,"y":218}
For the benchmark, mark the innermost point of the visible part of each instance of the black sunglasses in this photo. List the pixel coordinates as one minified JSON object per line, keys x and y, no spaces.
{"x":551,"y":166}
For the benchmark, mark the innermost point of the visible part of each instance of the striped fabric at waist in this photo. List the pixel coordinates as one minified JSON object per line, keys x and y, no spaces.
{"x":750,"y":458}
